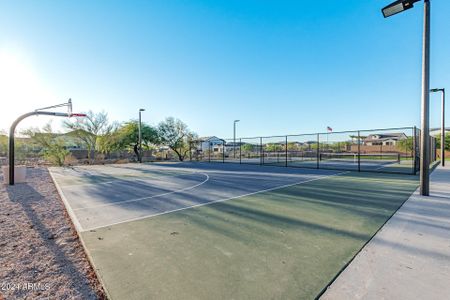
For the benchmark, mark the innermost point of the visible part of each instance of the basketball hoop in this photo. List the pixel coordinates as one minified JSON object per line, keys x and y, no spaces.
{"x":40,"y":111}
{"x":77,"y":115}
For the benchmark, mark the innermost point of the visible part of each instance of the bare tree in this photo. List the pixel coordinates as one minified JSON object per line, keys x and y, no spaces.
{"x":89,"y":128}
{"x":176,"y":135}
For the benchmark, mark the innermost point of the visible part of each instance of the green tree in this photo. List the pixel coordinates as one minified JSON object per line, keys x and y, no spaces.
{"x":406,"y":145}
{"x":247,"y":147}
{"x":272,"y":147}
{"x":53,"y":147}
{"x":3,"y":144}
{"x":292,"y":146}
{"x":447,"y":141}
{"x":126,"y":137}
{"x":176,"y":135}
{"x":89,"y":129}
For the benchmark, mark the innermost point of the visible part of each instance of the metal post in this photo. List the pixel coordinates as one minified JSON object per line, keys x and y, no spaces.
{"x":11,"y":154}
{"x":381,"y":150}
{"x":425,"y":134}
{"x":261,"y":151}
{"x":318,"y":151}
{"x":359,"y":152}
{"x":414,"y":153}
{"x":234,"y":138}
{"x":286,"y":151}
{"x":443,"y":129}
{"x":209,"y":152}
{"x":240,"y":151}
{"x":140,"y":137}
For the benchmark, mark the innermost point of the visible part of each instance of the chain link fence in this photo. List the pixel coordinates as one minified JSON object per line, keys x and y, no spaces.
{"x":392,"y":150}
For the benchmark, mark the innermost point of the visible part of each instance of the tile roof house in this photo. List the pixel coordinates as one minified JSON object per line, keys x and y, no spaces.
{"x":387,"y":139}
{"x":210,"y":142}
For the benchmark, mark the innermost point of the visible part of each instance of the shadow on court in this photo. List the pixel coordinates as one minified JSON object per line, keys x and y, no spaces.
{"x":285,"y":243}
{"x":134,"y":191}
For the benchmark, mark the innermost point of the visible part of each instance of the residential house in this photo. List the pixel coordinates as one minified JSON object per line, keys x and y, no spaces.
{"x":385,"y":139}
{"x":210,"y":142}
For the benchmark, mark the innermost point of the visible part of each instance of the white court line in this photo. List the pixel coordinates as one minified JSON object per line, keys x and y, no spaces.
{"x":217,"y":201}
{"x":387,"y":165}
{"x":149,"y":197}
{"x":129,"y":180}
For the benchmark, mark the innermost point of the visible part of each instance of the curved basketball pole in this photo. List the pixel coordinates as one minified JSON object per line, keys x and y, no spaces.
{"x":34,"y":113}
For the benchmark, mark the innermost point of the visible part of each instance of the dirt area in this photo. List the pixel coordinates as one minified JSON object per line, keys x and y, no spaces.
{"x":41,"y":256}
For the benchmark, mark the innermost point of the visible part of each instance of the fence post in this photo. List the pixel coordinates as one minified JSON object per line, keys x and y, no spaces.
{"x":381,"y":150}
{"x":359,"y":151}
{"x":286,"y":153}
{"x":261,"y":152}
{"x":434,"y":149}
{"x":240,"y":151}
{"x":430,"y":143}
{"x":318,"y":151}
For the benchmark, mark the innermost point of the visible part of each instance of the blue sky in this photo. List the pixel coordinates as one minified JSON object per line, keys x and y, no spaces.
{"x":281,"y":67}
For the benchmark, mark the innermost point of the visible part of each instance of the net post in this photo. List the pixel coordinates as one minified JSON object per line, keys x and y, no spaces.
{"x":240,"y":151}
{"x":209,"y":152}
{"x":359,"y":151}
{"x":318,"y":151}
{"x":286,"y":152}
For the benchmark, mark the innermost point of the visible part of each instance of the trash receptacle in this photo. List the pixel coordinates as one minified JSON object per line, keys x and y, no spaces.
{"x":20,"y":174}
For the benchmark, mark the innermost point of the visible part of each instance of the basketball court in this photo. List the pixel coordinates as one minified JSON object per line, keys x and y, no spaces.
{"x":224,"y":231}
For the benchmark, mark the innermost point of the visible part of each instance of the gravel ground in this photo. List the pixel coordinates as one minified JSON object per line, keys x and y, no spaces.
{"x":41,"y":256}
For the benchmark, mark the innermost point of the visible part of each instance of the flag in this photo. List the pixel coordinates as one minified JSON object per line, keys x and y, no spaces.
{"x":329,"y":129}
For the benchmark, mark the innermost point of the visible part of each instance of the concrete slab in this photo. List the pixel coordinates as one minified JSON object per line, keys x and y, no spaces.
{"x":101,"y":196}
{"x":409,"y":258}
{"x":287,"y":243}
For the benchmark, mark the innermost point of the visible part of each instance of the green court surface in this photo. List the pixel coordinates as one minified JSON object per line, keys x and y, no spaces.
{"x":287,"y":243}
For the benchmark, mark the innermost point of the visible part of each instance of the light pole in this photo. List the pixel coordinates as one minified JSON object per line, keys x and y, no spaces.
{"x":140,"y":134}
{"x":395,"y":8}
{"x":442,"y":124}
{"x":234,"y":137}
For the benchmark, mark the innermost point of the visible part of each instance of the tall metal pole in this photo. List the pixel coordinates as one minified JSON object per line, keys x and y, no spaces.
{"x":443,"y":129}
{"x":234,"y":137}
{"x":140,"y":135}
{"x":425,"y":134}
